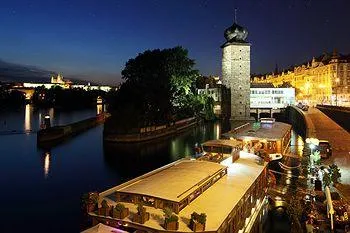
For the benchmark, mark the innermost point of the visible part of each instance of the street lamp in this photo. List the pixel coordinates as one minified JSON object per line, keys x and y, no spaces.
{"x":312,"y":143}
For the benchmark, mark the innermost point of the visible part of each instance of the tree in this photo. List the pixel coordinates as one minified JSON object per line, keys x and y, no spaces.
{"x":158,"y":84}
{"x":209,"y":108}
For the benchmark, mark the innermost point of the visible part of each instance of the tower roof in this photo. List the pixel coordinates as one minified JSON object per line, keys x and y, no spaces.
{"x":235,"y":33}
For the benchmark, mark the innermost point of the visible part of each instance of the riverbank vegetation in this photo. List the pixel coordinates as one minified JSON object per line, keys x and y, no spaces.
{"x":159,"y":87}
{"x":58,"y":97}
{"x":10,"y":99}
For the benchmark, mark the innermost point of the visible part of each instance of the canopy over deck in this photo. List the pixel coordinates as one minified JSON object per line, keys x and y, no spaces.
{"x":223,"y":142}
{"x":183,"y":177}
{"x":272,"y":132}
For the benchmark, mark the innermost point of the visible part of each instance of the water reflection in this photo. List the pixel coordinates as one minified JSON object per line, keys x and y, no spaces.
{"x":46,"y":163}
{"x":27,"y":118}
{"x":130,"y":160}
{"x":51,"y":114}
{"x":217,"y":130}
{"x":99,"y":109}
{"x":296,"y":144}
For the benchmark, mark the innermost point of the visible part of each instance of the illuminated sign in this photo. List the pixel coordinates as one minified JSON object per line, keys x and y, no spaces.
{"x":271,"y":97}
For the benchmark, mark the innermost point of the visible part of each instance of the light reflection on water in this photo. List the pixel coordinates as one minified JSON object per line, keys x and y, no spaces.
{"x":296,"y":144}
{"x":46,"y":164}
{"x":28,"y":117}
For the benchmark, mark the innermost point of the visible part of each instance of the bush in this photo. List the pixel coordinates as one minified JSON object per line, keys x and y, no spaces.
{"x":119,"y":207}
{"x":140,"y":209}
{"x":169,"y":216}
{"x":201,"y":218}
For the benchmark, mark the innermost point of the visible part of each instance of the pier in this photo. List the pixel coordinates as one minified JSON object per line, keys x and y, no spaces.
{"x":56,"y":134}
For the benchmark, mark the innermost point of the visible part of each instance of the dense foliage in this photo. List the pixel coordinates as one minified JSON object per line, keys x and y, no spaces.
{"x":10,"y":98}
{"x":66,"y":98}
{"x":158,"y":88}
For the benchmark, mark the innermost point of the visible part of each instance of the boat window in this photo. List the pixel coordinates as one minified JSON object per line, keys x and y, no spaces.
{"x":217,"y":149}
{"x":125,"y":197}
{"x":148,"y":200}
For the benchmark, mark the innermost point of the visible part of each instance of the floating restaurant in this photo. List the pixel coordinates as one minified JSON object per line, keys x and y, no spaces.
{"x":202,"y":196}
{"x":268,"y":135}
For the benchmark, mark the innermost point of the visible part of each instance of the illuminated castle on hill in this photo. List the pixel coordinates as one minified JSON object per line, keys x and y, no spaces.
{"x":59,"y":80}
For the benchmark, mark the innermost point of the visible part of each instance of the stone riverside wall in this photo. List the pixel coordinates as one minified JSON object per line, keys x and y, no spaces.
{"x":151,"y":132}
{"x":59,"y":133}
{"x":296,"y":118}
{"x":340,"y":115}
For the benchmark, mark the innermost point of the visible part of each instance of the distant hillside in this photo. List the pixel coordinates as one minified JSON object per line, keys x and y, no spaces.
{"x":11,"y":72}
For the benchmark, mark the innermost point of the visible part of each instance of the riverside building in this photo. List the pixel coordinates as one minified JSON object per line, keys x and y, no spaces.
{"x":323,"y":80}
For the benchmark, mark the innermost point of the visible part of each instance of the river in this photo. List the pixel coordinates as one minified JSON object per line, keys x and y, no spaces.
{"x":41,"y":189}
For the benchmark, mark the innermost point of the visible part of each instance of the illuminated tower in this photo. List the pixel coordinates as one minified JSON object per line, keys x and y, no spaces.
{"x":236,"y":71}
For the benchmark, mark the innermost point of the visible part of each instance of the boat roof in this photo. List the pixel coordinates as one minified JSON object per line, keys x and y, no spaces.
{"x":101,"y":228}
{"x":274,"y":132}
{"x":217,"y":201}
{"x":183,"y":177}
{"x":223,"y":142}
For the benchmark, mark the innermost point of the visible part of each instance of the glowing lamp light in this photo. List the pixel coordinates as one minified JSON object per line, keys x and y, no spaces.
{"x":313,"y":141}
{"x":312,"y":146}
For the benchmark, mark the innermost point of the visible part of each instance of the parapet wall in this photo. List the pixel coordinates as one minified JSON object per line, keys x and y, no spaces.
{"x":297,"y":120}
{"x":338,"y":114}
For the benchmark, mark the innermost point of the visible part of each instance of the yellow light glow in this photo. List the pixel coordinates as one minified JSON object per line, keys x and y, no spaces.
{"x":27,"y":118}
{"x":307,"y":85}
{"x":46,"y":164}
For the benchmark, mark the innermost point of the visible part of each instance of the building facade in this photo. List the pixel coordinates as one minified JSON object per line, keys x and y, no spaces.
{"x":274,"y":98}
{"x":323,"y":80}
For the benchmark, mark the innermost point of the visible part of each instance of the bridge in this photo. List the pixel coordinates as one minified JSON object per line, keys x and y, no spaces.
{"x":318,"y":125}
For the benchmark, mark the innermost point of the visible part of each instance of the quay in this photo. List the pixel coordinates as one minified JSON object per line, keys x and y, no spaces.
{"x":54,"y":135}
{"x":151,"y":132}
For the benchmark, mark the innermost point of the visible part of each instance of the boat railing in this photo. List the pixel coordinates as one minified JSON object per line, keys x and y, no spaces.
{"x":239,"y":128}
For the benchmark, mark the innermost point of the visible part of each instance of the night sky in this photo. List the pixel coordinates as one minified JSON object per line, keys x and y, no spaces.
{"x":94,"y":39}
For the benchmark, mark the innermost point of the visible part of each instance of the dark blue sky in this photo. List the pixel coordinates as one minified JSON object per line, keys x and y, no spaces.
{"x":94,"y":38}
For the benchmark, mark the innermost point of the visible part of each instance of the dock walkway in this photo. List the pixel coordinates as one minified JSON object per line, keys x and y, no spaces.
{"x":322,"y":127}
